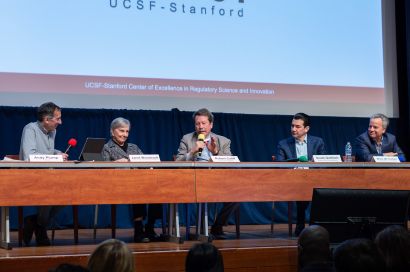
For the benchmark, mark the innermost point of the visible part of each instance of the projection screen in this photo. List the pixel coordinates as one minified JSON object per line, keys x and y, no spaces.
{"x":331,"y":58}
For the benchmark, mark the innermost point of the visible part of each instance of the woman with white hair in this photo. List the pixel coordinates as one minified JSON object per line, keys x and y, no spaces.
{"x":118,"y":149}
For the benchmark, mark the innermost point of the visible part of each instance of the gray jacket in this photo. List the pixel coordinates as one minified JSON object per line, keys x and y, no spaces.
{"x":189,"y":140}
{"x":112,"y":152}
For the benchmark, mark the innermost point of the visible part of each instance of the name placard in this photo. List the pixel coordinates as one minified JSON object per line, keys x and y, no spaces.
{"x":45,"y":158}
{"x":392,"y":159}
{"x":327,"y":158}
{"x":225,"y":159}
{"x":145,"y":158}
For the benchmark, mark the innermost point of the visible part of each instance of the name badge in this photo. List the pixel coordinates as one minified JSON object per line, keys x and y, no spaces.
{"x":145,"y":158}
{"x":392,"y":159}
{"x":45,"y":158}
{"x":327,"y":158}
{"x":225,"y":159}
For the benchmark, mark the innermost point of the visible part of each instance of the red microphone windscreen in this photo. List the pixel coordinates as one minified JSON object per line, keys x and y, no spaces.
{"x":72,"y":142}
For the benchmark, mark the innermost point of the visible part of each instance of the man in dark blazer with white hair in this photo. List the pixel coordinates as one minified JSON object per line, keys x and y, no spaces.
{"x":376,"y":141}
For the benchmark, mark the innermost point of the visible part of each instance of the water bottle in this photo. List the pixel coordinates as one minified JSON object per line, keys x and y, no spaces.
{"x":348,"y":152}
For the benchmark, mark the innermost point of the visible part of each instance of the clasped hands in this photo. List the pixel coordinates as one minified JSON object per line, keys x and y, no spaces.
{"x":390,"y":154}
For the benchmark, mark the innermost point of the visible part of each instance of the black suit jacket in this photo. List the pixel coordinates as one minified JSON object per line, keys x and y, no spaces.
{"x":365,"y":147}
{"x":287,"y":148}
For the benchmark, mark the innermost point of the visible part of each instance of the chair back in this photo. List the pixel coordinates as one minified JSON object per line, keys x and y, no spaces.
{"x":273,"y":158}
{"x":12,"y":157}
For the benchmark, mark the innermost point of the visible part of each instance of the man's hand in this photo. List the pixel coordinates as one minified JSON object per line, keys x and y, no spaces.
{"x":212,"y":147}
{"x":65,"y":156}
{"x":198,"y":145}
{"x":390,"y":154}
{"x":122,"y":160}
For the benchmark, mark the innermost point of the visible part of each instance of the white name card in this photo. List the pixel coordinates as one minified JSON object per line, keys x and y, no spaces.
{"x":225,"y":159}
{"x":145,"y":158}
{"x":45,"y":158}
{"x":327,"y":158}
{"x":392,"y":159}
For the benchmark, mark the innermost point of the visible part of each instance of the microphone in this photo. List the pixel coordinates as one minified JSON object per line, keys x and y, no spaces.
{"x":300,"y":159}
{"x":303,"y":159}
{"x":71,"y":143}
{"x":201,"y":138}
{"x":290,"y":160}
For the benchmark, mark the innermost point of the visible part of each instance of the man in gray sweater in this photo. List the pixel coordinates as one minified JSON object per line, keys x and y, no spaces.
{"x":38,"y":138}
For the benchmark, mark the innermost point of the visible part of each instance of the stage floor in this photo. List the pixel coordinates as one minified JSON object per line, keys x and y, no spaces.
{"x":257,"y":250}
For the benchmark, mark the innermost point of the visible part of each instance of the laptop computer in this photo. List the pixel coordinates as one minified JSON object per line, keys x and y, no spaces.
{"x":92,"y":149}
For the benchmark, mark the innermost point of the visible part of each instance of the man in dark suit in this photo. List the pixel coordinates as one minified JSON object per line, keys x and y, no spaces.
{"x":303,"y":147}
{"x":200,"y":145}
{"x":376,"y":141}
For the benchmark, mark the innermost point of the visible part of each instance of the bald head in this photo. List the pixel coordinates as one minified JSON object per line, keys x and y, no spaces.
{"x":314,"y":234}
{"x":314,"y":245}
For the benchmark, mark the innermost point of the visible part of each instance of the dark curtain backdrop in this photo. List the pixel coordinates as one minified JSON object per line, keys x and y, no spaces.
{"x":254,"y":138}
{"x":403,"y":67}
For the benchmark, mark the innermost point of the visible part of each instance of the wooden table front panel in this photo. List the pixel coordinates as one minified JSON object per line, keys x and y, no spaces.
{"x":241,"y":185}
{"x":22,"y":187}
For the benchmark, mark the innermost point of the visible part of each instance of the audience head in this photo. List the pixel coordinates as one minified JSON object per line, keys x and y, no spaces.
{"x":203,"y":120}
{"x":394,"y":244}
{"x":204,"y":257}
{"x":49,"y":114}
{"x":313,"y":246}
{"x":358,"y":255}
{"x":69,"y":268}
{"x":111,"y":256}
{"x":300,"y":125}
